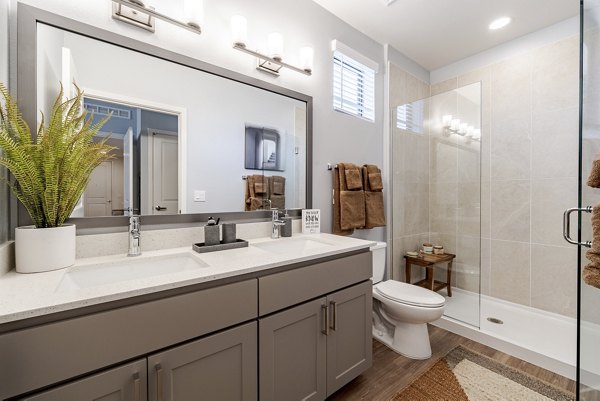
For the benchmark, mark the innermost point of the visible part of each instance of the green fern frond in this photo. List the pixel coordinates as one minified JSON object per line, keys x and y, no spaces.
{"x":52,"y":171}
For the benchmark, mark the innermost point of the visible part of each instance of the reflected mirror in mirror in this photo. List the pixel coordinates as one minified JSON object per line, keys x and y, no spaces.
{"x":206,"y":140}
{"x":143,"y":166}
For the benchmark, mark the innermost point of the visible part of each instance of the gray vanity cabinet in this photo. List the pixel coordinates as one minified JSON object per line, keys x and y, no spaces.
{"x":310,"y":351}
{"x":349,"y":348}
{"x":292,"y":360}
{"x":124,"y":383}
{"x":220,"y":367}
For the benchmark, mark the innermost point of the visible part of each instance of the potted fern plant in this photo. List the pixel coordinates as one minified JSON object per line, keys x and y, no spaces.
{"x":48,"y":176}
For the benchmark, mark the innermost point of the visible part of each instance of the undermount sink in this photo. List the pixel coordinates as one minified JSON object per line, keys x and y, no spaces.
{"x":287,"y":245}
{"x":127,"y":270}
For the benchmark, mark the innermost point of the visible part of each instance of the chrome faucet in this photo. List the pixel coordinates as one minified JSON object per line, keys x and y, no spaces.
{"x":134,"y":236}
{"x":276,"y":224}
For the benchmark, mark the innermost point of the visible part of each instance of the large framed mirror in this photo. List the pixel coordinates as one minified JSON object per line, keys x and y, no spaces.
{"x":190,"y":138}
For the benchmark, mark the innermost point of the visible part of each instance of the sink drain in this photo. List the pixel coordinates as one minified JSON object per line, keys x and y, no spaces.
{"x":494,"y":320}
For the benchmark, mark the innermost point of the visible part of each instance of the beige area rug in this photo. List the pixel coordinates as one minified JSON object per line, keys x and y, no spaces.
{"x":469,"y":376}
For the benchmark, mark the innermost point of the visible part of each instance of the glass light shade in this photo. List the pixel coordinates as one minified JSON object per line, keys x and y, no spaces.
{"x":275,"y":45}
{"x":455,"y":124}
{"x":306,"y":58}
{"x":462,"y":128}
{"x":192,"y":11}
{"x":477,"y":133}
{"x":446,"y":120}
{"x":239,"y":30}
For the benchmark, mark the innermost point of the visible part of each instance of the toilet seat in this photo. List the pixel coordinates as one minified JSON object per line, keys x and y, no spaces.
{"x":409,"y":294}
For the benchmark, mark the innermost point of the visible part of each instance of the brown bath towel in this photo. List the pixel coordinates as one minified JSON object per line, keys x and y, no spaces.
{"x":591,"y":275}
{"x":594,"y":178}
{"x":256,"y":192}
{"x":352,"y":209}
{"x":375,"y":213}
{"x":337,"y":229}
{"x":591,"y":272}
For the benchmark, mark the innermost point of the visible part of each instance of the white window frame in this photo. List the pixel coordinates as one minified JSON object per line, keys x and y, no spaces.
{"x":359,"y":98}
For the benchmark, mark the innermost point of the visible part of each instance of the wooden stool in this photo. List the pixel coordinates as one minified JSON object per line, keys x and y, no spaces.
{"x":428,"y":261}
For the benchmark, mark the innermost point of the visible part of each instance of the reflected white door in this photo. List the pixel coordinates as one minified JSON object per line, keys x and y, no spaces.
{"x":97,"y":196}
{"x":128,"y":172}
{"x":165,"y":194}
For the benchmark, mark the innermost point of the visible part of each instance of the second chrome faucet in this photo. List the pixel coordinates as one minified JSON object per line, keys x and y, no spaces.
{"x":277,"y":223}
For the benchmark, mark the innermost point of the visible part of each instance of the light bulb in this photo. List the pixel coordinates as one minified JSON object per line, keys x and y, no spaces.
{"x":477,"y":133}
{"x":470,"y":130}
{"x":239,"y":30}
{"x":192,"y":10}
{"x":455,"y":124}
{"x":306,"y":58}
{"x":462,"y":128}
{"x":275,"y":46}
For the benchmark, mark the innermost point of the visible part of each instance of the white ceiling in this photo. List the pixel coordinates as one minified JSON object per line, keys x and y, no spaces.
{"x":435,"y":33}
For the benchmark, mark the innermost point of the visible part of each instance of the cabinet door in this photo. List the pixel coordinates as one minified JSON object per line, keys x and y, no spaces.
{"x":292,"y":353}
{"x":349,"y":345}
{"x":125,"y":383}
{"x":219,"y":367}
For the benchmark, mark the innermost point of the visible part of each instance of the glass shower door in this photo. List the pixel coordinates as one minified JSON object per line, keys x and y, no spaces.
{"x":589,"y":295}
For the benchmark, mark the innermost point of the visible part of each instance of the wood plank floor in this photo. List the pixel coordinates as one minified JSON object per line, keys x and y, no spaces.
{"x":392,"y":372}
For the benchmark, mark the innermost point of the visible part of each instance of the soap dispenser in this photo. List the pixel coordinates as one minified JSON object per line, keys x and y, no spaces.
{"x":286,"y":229}
{"x":211,"y":232}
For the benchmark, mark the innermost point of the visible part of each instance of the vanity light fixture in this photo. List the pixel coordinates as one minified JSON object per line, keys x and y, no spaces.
{"x":499,"y":23}
{"x":136,"y":13}
{"x":273,"y":62}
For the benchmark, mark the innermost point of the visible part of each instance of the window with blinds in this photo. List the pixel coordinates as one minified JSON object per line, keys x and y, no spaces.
{"x":353,"y":87}
{"x":410,"y":117}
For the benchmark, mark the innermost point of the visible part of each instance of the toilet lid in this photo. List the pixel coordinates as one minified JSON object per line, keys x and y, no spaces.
{"x":409,"y":294}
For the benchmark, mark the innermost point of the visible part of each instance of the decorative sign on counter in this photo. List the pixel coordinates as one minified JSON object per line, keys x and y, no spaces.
{"x":311,"y":221}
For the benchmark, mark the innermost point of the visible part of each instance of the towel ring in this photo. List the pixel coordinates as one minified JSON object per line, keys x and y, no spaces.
{"x":567,"y":225}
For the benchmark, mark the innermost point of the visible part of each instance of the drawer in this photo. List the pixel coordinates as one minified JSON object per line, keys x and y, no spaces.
{"x":43,"y":355}
{"x":281,"y":290}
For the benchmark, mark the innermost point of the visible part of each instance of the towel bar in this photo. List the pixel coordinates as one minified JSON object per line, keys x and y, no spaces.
{"x":567,"y":225}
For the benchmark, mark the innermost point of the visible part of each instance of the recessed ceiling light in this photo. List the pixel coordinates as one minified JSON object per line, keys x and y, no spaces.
{"x":499,"y":23}
{"x":388,"y":2}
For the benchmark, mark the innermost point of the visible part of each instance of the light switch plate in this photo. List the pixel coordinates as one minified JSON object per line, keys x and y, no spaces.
{"x":199,"y":196}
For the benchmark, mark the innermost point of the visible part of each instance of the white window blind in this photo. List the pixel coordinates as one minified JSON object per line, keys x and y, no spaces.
{"x":353,"y":87}
{"x":409,"y":117}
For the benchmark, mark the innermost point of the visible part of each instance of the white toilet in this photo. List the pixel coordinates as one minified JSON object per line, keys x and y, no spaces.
{"x":401,"y":311}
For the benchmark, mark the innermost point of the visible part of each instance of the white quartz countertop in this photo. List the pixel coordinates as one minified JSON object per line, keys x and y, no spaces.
{"x":24,"y":296}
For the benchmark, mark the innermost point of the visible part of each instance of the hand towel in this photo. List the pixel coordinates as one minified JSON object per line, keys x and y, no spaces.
{"x":594,"y":178}
{"x":277,"y":185}
{"x":353,"y":178}
{"x":337,"y":229}
{"x":375,"y":212}
{"x":278,"y":201}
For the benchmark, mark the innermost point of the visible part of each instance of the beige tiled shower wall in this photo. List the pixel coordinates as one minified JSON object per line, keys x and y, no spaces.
{"x":529,"y":168}
{"x":410,"y":163}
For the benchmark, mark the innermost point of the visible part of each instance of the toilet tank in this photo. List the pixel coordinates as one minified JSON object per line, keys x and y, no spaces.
{"x":378,"y":254}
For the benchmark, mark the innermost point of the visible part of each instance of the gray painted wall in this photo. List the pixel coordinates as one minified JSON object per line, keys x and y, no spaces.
{"x":337,"y":137}
{"x":5,"y":259}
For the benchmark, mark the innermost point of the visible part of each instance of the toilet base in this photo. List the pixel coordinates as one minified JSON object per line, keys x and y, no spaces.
{"x":408,"y":339}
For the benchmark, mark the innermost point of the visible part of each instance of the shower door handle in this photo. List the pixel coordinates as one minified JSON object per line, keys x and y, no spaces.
{"x":567,"y":225}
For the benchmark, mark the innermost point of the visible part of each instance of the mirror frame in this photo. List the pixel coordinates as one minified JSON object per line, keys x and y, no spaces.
{"x":27,"y":19}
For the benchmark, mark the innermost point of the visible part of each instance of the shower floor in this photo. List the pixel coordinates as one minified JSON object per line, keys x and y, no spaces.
{"x":546,"y":339}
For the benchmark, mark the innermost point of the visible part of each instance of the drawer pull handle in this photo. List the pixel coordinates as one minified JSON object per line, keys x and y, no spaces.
{"x":137,"y":389}
{"x":159,"y":385}
{"x":325,"y":314}
{"x":334,"y":314}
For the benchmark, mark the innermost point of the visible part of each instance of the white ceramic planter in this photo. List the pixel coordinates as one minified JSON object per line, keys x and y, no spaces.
{"x":43,"y":249}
